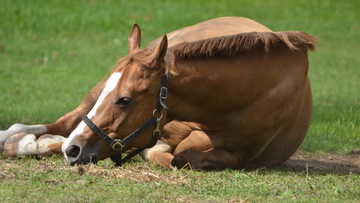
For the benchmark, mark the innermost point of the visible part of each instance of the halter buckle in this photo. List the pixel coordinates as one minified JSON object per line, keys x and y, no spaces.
{"x":163,"y":92}
{"x":117,"y":142}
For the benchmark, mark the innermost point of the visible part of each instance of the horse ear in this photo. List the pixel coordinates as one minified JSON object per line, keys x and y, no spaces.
{"x":160,"y":50}
{"x":134,"y":38}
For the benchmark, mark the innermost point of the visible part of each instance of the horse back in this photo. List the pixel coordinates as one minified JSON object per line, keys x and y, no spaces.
{"x":211,"y":29}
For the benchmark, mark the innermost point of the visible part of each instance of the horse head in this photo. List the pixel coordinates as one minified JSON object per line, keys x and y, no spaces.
{"x":126,"y":102}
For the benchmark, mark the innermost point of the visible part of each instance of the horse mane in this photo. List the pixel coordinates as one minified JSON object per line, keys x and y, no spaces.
{"x":229,"y":45}
{"x":225,"y":46}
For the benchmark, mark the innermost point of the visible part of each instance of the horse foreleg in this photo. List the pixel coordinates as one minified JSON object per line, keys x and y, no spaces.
{"x":26,"y":144}
{"x":36,"y":130}
{"x":49,"y":144}
{"x":63,"y":126}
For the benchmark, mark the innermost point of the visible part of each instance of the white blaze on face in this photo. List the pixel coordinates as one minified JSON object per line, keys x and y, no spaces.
{"x":109,"y":87}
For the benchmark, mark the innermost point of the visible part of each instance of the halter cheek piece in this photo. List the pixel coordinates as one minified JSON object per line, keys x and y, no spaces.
{"x":118,"y":144}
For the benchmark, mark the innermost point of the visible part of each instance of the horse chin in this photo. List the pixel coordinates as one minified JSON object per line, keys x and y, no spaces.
{"x":91,"y":158}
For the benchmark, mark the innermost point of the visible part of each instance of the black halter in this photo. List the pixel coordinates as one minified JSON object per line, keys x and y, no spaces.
{"x":117,"y":159}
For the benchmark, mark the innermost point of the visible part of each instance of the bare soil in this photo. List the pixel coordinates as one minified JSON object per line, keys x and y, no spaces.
{"x":326,"y":162}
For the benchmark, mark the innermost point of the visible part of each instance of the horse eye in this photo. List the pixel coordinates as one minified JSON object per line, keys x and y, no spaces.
{"x":123,"y":101}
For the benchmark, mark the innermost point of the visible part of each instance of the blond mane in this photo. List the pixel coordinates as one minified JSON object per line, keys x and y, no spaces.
{"x":228,"y":45}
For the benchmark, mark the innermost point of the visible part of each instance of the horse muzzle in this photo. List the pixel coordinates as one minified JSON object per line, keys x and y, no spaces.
{"x":75,"y":155}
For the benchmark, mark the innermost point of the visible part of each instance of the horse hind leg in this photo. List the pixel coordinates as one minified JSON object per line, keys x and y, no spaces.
{"x":27,"y":145}
{"x":286,"y":142}
{"x":198,"y":151}
{"x":211,"y":159}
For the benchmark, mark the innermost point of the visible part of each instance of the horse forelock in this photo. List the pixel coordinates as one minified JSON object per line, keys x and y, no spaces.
{"x":120,"y":64}
{"x":251,"y":41}
{"x":143,"y":58}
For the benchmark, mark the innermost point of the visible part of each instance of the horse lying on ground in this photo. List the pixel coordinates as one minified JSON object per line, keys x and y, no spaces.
{"x":227,"y":92}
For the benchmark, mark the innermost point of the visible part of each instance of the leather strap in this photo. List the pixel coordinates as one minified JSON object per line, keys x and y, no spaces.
{"x":117,"y":159}
{"x":97,"y":130}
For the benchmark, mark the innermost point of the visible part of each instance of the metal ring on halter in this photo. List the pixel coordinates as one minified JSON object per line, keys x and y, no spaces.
{"x":160,"y":116}
{"x":116,"y":142}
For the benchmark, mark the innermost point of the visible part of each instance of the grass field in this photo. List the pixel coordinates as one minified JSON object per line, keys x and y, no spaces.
{"x":49,"y":180}
{"x":53,"y":52}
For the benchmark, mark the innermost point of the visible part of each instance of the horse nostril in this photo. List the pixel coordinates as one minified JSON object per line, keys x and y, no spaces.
{"x":73,"y":151}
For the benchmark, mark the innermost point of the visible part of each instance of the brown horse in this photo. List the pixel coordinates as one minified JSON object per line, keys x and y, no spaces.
{"x":237,"y":95}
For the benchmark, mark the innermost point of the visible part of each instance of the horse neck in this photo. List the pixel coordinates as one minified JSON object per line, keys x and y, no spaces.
{"x":181,"y":77}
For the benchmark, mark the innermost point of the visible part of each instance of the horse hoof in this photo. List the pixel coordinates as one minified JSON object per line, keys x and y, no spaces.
{"x":20,"y":144}
{"x":49,"y":144}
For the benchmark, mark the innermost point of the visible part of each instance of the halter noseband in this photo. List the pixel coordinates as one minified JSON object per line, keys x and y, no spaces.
{"x":117,"y":159}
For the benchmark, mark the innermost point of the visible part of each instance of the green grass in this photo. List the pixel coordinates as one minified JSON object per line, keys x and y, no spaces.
{"x":33,"y":180}
{"x":54,"y":52}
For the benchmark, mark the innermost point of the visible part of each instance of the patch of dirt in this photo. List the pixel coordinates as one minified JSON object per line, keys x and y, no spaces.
{"x":326,"y":162}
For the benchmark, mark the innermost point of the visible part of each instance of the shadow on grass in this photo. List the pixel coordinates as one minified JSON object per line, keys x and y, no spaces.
{"x":325,"y":163}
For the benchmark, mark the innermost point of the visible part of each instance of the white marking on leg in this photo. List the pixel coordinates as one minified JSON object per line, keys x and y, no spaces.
{"x":109,"y":87}
{"x":42,"y":144}
{"x":27,"y":145}
{"x":148,"y":154}
{"x":20,"y":128}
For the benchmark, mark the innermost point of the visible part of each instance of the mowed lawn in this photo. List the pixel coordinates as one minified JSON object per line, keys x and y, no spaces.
{"x":53,"y":52}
